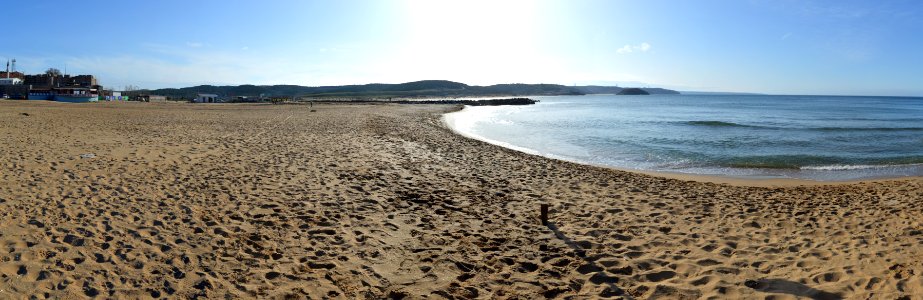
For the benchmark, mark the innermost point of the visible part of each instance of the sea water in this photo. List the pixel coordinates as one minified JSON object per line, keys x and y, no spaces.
{"x":753,"y":136}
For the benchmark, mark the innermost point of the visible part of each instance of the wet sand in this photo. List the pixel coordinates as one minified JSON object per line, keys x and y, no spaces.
{"x":372,"y":201}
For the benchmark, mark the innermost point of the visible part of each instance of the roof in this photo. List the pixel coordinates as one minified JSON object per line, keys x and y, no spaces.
{"x":208,"y":95}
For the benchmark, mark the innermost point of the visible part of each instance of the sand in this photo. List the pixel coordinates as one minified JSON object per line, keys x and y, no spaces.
{"x":144,"y":200}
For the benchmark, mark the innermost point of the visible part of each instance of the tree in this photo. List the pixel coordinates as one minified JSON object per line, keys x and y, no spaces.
{"x":53,"y":72}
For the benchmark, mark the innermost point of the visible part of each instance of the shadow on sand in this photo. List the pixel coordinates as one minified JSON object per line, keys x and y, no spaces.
{"x":769,"y":285}
{"x":782,"y":286}
{"x":600,"y":277}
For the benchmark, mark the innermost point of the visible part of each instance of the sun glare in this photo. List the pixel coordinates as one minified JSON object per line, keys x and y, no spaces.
{"x":469,"y":36}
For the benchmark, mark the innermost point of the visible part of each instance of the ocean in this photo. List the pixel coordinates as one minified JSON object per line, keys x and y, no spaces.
{"x":826,"y":138}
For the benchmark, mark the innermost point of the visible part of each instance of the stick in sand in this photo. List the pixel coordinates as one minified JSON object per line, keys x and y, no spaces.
{"x":543,"y":214}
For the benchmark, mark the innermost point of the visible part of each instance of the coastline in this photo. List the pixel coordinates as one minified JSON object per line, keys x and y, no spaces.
{"x":383,"y":200}
{"x":710,"y":178}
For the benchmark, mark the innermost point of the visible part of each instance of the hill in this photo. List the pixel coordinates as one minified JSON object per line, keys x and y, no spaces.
{"x":633,"y":91}
{"x":596,"y":89}
{"x":416,"y":89}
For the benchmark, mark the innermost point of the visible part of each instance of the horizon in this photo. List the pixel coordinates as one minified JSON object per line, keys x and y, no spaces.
{"x":848,"y":48}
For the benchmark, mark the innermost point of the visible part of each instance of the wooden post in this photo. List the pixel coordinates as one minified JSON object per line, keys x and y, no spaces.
{"x":543,"y":214}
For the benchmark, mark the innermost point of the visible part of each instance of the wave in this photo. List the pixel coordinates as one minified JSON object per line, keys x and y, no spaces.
{"x":846,"y":167}
{"x":826,"y":129}
{"x":815,"y":162}
{"x":868,"y":128}
{"x":718,"y":124}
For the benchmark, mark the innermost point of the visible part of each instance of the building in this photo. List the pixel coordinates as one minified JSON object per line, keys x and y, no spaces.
{"x":45,"y":80}
{"x":10,"y":81}
{"x":13,"y":74}
{"x":41,"y":80}
{"x":12,"y":87}
{"x":80,"y":80}
{"x":206,"y":98}
{"x":14,"y":91}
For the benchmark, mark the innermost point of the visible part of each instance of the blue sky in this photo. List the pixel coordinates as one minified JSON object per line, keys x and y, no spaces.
{"x":761,"y":46}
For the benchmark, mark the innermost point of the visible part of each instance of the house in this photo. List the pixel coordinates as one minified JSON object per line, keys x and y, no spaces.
{"x":206,"y":98}
{"x":10,"y":81}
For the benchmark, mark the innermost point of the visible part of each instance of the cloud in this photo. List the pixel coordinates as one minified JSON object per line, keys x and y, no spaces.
{"x":194,"y":44}
{"x":785,"y":36}
{"x":643,"y":47}
{"x":180,"y":65}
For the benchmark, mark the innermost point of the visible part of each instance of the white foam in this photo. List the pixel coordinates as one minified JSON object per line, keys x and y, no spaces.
{"x":850,"y":167}
{"x":463,"y":122}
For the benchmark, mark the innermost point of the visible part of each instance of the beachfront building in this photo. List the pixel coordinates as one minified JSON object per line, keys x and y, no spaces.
{"x":49,"y":81}
{"x":10,"y":81}
{"x":206,"y":98}
{"x":12,"y":88}
{"x":19,"y":75}
{"x":51,"y":85}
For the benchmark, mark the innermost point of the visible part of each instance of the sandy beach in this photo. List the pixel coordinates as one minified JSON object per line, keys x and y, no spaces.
{"x":164,"y":200}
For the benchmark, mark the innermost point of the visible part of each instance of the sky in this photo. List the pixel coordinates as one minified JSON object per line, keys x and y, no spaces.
{"x":759,"y":46}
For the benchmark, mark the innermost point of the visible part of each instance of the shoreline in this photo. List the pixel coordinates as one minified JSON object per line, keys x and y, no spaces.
{"x":710,"y":178}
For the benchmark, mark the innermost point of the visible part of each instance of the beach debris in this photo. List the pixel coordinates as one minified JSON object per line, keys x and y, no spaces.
{"x":25,"y":114}
{"x":87,"y":155}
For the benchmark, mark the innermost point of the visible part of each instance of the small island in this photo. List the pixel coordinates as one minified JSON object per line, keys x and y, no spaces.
{"x":633,"y":91}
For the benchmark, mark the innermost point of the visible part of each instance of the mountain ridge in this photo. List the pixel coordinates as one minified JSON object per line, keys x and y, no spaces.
{"x":414,"y":89}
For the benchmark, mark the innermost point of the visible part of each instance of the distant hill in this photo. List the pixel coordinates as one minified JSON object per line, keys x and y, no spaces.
{"x":595,"y":89}
{"x":633,"y":91}
{"x":425,"y":88}
{"x":720,"y":93}
{"x":660,"y":91}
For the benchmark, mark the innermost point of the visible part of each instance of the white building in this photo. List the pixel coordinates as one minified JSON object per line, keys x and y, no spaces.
{"x":206,"y":98}
{"x":10,"y":81}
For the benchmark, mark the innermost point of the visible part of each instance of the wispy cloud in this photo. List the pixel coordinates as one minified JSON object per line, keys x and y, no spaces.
{"x":181,"y":65}
{"x":194,"y":44}
{"x":786,"y":36}
{"x":643,"y":47}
